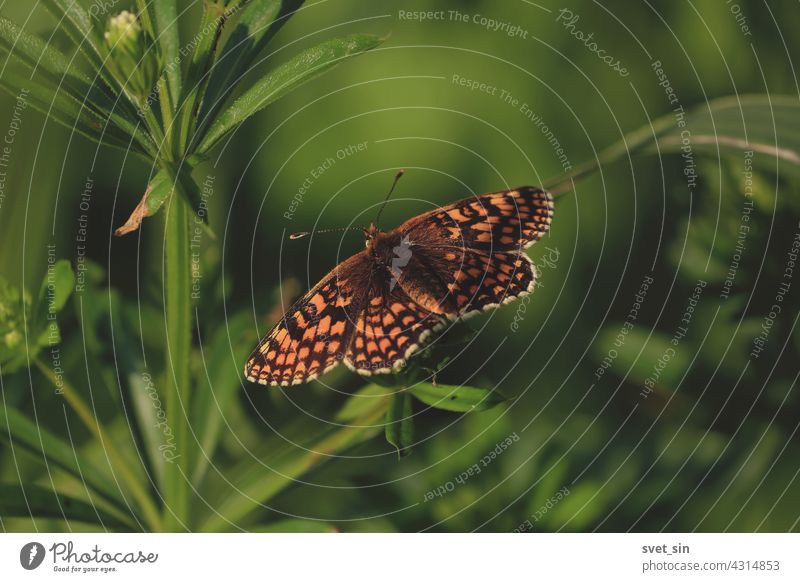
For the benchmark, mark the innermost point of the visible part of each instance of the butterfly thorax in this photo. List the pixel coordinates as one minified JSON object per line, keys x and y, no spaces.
{"x":381,"y":245}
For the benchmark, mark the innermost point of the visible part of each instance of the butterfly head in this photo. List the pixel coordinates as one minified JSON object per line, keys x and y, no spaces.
{"x":371,"y":234}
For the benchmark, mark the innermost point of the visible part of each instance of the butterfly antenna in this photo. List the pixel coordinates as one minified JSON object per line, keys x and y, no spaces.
{"x":385,"y":200}
{"x":302,"y":234}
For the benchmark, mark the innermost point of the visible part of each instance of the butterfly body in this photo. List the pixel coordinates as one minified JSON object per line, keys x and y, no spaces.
{"x":375,"y":309}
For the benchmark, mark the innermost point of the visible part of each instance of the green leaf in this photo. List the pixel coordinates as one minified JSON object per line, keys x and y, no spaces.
{"x":55,"y":289}
{"x":457,"y":398}
{"x":79,"y":26}
{"x":216,"y":392}
{"x":59,"y":89}
{"x":399,"y":427}
{"x":147,"y":404}
{"x":165,"y":27}
{"x":765,"y":124}
{"x":37,"y":502}
{"x":648,"y":359}
{"x":280,"y":81}
{"x":25,"y":434}
{"x":257,"y":23}
{"x":360,"y":402}
{"x":257,"y":483}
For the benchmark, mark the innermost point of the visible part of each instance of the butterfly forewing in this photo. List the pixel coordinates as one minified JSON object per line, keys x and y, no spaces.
{"x":313,"y":335}
{"x":510,"y":219}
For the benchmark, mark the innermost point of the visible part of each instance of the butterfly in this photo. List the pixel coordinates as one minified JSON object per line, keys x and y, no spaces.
{"x":375,"y":309}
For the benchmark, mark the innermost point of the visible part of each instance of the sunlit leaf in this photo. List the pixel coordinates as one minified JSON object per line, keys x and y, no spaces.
{"x":278,"y":82}
{"x":457,"y":398}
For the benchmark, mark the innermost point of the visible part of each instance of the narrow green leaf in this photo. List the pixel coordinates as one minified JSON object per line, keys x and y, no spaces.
{"x":257,"y":483}
{"x":360,"y":402}
{"x":55,"y":289}
{"x":147,"y":407}
{"x":37,"y":502}
{"x":77,"y":22}
{"x":42,"y":97}
{"x":399,"y":427}
{"x":257,"y":23}
{"x":764,"y":124}
{"x":59,"y":83}
{"x":22,"y":432}
{"x":280,"y":81}
{"x":203,"y":56}
{"x":165,"y":27}
{"x":457,"y":398}
{"x":216,"y":392}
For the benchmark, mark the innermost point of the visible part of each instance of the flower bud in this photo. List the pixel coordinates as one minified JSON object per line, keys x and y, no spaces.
{"x":132,"y":59}
{"x":13,"y":339}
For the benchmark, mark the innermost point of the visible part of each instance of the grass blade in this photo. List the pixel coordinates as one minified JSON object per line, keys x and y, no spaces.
{"x":216,"y":392}
{"x":725,"y":126}
{"x":400,"y":423}
{"x":22,"y":432}
{"x":38,"y":502}
{"x":258,"y":483}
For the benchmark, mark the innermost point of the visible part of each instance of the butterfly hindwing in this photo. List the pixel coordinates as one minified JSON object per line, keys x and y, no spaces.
{"x":390,"y":328}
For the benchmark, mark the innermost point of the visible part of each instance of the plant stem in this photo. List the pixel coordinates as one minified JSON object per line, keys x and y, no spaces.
{"x":177,"y":282}
{"x":118,"y":463}
{"x":631,"y":142}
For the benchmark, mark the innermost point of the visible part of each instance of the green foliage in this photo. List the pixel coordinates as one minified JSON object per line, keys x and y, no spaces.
{"x":27,"y":328}
{"x":400,"y":423}
{"x":177,"y":441}
{"x":457,"y":398}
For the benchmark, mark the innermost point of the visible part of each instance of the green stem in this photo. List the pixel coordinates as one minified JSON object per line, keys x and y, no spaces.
{"x":118,"y":464}
{"x":632,"y":141}
{"x":177,"y":281}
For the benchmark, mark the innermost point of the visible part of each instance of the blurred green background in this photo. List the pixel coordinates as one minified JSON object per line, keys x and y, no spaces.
{"x":713,"y":447}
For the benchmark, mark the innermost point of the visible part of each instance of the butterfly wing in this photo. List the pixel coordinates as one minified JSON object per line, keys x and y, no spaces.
{"x":506,"y":220}
{"x":468,"y":255}
{"x":313,"y":335}
{"x":474,"y":280}
{"x":391,"y":327}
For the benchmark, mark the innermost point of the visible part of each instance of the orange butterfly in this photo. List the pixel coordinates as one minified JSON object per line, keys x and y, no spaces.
{"x":375,"y":309}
